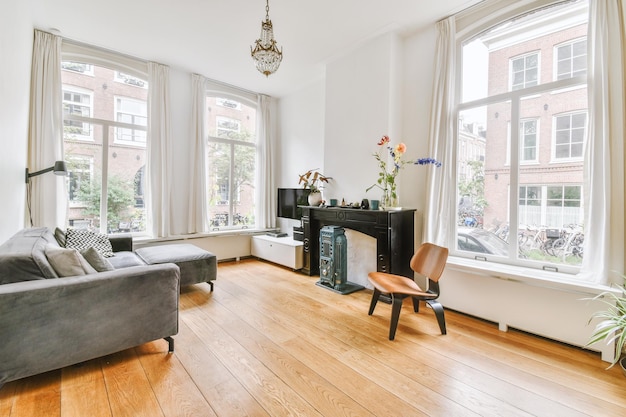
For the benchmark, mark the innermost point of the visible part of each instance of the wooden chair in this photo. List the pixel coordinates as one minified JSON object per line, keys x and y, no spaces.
{"x":429,"y":260}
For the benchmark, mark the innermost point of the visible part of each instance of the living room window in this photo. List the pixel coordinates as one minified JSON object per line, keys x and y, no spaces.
{"x":231,"y":162}
{"x":106,"y":174}
{"x":520,"y":185}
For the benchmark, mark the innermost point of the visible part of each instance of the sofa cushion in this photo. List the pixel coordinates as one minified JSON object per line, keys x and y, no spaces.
{"x":96,"y":260}
{"x":59,"y":235}
{"x":82,"y":239}
{"x":22,"y":257}
{"x":67,"y":262}
{"x":124,"y":259}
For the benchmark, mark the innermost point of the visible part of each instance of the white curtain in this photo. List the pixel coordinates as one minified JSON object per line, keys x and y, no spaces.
{"x":159,"y":166}
{"x":198,"y":211}
{"x":266,"y":193}
{"x":606,"y":118}
{"x":440,"y":187}
{"x":47,"y":193}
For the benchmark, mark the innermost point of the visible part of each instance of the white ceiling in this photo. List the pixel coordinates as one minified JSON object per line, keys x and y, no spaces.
{"x":213,"y":37}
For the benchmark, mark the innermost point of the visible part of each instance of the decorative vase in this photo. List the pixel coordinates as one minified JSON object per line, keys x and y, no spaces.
{"x":388,"y":202}
{"x":315,"y":198}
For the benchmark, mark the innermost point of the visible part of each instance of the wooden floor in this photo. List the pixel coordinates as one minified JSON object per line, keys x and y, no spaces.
{"x":268,"y":342}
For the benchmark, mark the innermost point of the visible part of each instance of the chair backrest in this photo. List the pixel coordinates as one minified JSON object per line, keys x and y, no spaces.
{"x":430,"y":260}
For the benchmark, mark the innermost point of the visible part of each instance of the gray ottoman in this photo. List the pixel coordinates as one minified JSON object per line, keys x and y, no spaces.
{"x":196,"y":265}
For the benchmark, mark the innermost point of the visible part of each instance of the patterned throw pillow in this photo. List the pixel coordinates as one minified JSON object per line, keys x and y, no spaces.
{"x":82,"y":239}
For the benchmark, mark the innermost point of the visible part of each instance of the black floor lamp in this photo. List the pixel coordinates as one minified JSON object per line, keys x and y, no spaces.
{"x":59,"y":168}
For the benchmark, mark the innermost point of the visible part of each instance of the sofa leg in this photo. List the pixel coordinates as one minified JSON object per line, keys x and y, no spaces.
{"x":211,"y":284}
{"x":170,"y":343}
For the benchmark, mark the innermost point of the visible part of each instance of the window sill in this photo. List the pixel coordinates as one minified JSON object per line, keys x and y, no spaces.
{"x":223,"y":233}
{"x":528,"y":276}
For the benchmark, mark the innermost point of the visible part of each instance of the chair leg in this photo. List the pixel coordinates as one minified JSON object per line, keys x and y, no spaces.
{"x":416,"y":304}
{"x":395,"y":315}
{"x":375,"y":296}
{"x":438,"y":309}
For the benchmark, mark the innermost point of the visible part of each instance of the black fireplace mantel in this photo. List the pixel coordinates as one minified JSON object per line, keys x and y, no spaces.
{"x":392,"y":229}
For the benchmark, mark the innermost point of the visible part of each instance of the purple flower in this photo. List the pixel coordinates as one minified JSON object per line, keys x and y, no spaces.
{"x":426,"y":161}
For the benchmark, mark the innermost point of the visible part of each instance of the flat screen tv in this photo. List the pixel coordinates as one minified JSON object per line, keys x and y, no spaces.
{"x":288,"y":201}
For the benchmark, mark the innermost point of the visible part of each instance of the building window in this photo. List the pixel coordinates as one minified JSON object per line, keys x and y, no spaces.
{"x":130,"y":80}
{"x":77,"y":103}
{"x":131,"y":112}
{"x":231,"y":104}
{"x":563,"y":204}
{"x":232,"y":153}
{"x":569,"y":135}
{"x":115,"y":116}
{"x":528,"y":140}
{"x":227,"y":127}
{"x":521,"y":184}
{"x":571,"y":59}
{"x":524,"y":71}
{"x":79,"y":177}
{"x":79,"y":67}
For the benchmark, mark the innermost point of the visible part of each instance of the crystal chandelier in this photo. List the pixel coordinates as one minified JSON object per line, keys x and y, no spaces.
{"x":265,"y":53}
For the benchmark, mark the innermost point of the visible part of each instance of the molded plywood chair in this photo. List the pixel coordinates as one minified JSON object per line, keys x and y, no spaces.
{"x":429,"y":260}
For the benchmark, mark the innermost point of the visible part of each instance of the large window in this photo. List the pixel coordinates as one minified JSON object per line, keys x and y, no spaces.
{"x":232,"y":154}
{"x":105,"y":172}
{"x":526,"y":191}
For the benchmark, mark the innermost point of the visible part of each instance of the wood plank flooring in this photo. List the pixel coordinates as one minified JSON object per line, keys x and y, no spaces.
{"x":268,"y":342}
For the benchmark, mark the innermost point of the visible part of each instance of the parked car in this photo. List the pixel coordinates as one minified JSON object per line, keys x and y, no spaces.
{"x":481,"y":241}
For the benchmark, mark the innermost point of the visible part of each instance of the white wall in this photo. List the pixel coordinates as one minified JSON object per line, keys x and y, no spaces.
{"x":418,"y":63}
{"x":16,"y":40}
{"x":300,"y":140}
{"x":362,"y":105}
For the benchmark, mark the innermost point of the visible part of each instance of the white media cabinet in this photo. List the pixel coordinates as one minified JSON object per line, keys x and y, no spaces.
{"x":281,"y":250}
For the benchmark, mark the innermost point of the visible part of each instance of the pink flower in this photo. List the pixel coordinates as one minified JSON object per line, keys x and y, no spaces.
{"x":400,"y":149}
{"x":383,"y":140}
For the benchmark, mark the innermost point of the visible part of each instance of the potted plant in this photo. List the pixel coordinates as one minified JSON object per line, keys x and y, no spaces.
{"x":312,"y":180}
{"x":612,"y":327}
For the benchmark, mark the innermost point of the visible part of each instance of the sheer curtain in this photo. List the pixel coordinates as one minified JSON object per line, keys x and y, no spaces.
{"x":440,"y":188}
{"x":47,"y":193}
{"x":159,"y":167}
{"x":605,"y":134}
{"x":198,"y":170}
{"x":266,"y":193}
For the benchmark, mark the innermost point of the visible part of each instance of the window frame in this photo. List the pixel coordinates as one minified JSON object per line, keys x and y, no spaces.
{"x":217,"y":91}
{"x":114,"y":62}
{"x":466,"y":32}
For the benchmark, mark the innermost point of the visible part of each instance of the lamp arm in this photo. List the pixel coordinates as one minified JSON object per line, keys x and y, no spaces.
{"x":42,"y":171}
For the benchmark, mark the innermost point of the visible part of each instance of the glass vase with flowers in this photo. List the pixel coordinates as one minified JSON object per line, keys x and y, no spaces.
{"x":390,"y":168}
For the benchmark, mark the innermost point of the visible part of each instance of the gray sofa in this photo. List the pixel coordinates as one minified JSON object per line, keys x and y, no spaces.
{"x":48,"y":323}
